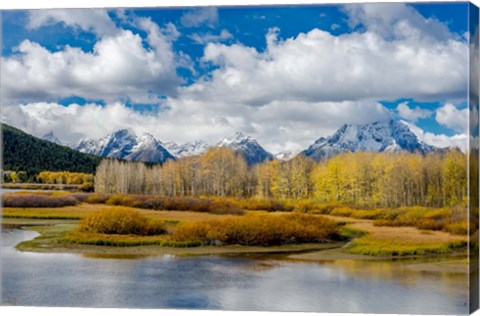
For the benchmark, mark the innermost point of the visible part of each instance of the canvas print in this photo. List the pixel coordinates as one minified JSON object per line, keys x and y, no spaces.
{"x":313,"y":158}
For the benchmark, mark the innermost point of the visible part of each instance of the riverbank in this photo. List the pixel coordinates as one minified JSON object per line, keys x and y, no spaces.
{"x":50,"y":235}
{"x":386,"y":243}
{"x":47,"y":242}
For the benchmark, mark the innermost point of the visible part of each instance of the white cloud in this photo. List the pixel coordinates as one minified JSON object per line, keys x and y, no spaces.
{"x":440,"y":140}
{"x":287,"y":96}
{"x":200,"y":16}
{"x":278,"y":126}
{"x":122,"y":66}
{"x":397,"y":21}
{"x":412,"y":114}
{"x":94,"y":20}
{"x":451,"y":117}
{"x":317,"y":66}
{"x":208,"y":38}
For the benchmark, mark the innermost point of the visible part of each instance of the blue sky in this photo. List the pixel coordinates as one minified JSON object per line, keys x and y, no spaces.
{"x":285,"y":74}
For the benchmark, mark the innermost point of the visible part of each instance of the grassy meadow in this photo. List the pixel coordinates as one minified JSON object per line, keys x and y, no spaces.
{"x":82,"y":222}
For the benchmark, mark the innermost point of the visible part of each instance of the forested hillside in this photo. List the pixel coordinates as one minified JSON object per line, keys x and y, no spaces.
{"x":23,"y":152}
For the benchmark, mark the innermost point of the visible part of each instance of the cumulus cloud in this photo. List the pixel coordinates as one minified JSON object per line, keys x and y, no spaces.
{"x":278,"y":126}
{"x":288,"y":95}
{"x":93,"y":20}
{"x":441,"y":140}
{"x":404,"y":111}
{"x":200,"y":16}
{"x":396,"y":21}
{"x":451,"y":117}
{"x":208,"y":37}
{"x":318,"y":66}
{"x":121,"y":66}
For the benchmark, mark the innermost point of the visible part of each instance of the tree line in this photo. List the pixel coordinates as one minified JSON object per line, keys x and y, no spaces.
{"x":362,"y":178}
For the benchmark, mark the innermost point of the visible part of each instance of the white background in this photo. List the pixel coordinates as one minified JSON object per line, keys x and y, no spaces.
{"x":31,"y":4}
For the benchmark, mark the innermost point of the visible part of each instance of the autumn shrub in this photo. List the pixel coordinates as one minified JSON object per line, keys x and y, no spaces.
{"x":457,"y":228}
{"x":37,"y":200}
{"x":269,"y":205}
{"x":430,"y":224}
{"x":120,"y":200}
{"x":305,"y":206}
{"x":385,"y":222}
{"x":342,"y":211}
{"x":260,"y":229}
{"x":87,"y":187}
{"x":325,"y":208}
{"x":59,"y":194}
{"x":438,"y":214}
{"x":367,"y":214}
{"x":425,"y":218}
{"x":219,"y":206}
{"x":411,"y":215}
{"x":97,"y":198}
{"x":207,"y":205}
{"x":121,"y":221}
{"x":80,"y":197}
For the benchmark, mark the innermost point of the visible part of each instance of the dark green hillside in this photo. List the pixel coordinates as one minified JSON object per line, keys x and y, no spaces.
{"x":24,"y":152}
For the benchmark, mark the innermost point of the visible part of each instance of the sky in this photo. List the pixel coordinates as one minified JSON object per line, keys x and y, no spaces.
{"x":286,"y":75}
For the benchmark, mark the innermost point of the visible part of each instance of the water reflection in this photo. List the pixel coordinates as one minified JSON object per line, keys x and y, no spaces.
{"x":231,"y":283}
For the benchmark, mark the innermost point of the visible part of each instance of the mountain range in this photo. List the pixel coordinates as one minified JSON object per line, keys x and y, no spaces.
{"x":384,"y":136}
{"x":124,"y":144}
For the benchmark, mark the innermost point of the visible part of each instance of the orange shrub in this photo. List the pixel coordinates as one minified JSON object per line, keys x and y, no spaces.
{"x":269,"y":205}
{"x":342,"y":211}
{"x":457,"y":228}
{"x":121,"y":221}
{"x":260,"y":229}
{"x":97,"y":198}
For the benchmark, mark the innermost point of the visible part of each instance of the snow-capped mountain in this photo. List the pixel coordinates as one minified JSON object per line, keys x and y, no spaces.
{"x":124,"y":144}
{"x":385,"y":136}
{"x":285,"y":155}
{"x":194,"y":148}
{"x":248,"y":146}
{"x":52,"y":138}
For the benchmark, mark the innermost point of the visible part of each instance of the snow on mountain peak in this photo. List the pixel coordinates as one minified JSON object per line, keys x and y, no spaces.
{"x":125,"y":144}
{"x":193,"y":148}
{"x":248,"y":146}
{"x":384,"y":136}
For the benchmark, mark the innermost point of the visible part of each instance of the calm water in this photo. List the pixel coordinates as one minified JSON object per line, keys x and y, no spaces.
{"x":229,"y":283}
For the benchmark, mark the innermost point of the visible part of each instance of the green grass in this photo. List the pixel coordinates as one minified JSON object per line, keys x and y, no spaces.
{"x":371,"y":246}
{"x":348,"y":233}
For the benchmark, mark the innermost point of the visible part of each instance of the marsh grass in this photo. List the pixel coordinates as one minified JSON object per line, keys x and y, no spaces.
{"x":260,"y":229}
{"x":372,"y":246}
{"x":96,"y":239}
{"x":68,"y":212}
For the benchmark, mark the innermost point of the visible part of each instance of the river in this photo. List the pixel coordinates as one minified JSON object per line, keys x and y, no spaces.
{"x":222,"y":282}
